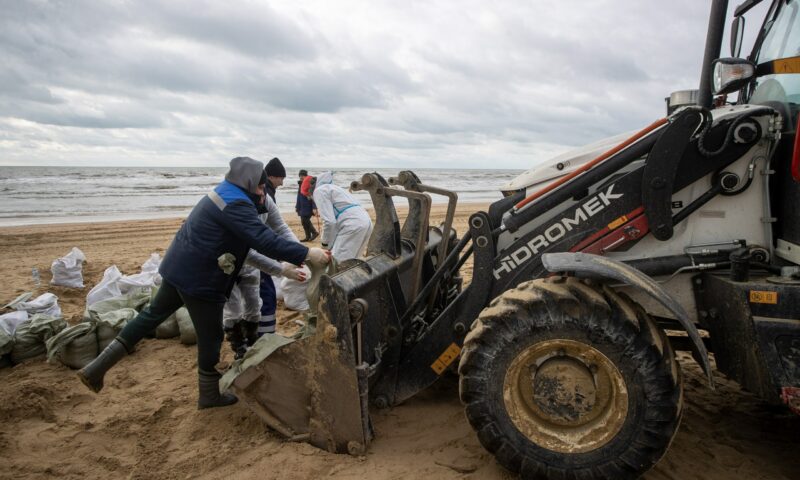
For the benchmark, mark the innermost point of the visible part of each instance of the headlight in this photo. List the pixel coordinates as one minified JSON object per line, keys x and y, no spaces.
{"x":731,"y":74}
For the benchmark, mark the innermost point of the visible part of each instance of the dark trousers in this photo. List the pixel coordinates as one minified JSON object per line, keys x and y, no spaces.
{"x":206,"y":317}
{"x":308,"y":227}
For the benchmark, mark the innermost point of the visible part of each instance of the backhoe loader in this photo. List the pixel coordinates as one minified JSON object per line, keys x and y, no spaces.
{"x":588,"y":274}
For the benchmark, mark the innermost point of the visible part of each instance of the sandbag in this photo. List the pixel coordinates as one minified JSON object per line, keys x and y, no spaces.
{"x":74,"y":346}
{"x":31,"y":335}
{"x":107,"y":288}
{"x":294,"y":292}
{"x":45,"y":304}
{"x":147,"y":279}
{"x":8,"y":325}
{"x":277,"y":281}
{"x":188,"y":335}
{"x":6,"y":343}
{"x":10,"y":321}
{"x":168,"y":328}
{"x":109,"y":325}
{"x":68,"y":270}
{"x":135,"y":300}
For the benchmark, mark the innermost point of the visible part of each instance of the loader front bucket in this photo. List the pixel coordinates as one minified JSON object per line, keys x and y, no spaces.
{"x":308,"y":389}
{"x":317,"y":388}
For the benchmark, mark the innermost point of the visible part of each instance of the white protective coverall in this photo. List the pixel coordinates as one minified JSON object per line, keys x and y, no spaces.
{"x":346,"y":225}
{"x":245,"y":301}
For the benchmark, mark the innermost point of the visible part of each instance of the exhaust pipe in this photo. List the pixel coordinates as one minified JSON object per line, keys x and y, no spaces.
{"x":716,"y":27}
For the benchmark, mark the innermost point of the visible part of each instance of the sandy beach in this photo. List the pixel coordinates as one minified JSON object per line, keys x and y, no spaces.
{"x":145,"y":425}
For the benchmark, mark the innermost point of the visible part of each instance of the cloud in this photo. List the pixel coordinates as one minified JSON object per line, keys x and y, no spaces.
{"x":346,"y":83}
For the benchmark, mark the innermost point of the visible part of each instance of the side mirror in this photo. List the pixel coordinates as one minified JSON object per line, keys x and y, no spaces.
{"x":737,"y":34}
{"x":731,"y":74}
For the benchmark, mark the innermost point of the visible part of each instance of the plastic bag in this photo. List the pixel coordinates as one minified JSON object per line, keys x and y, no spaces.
{"x":107,"y":288}
{"x":45,"y":304}
{"x":68,"y":270}
{"x":294,"y":292}
{"x":188,"y":335}
{"x":109,"y":325}
{"x":74,"y":346}
{"x":31,"y":335}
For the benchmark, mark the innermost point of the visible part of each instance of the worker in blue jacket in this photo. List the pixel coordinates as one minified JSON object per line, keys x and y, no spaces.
{"x":199,"y":271}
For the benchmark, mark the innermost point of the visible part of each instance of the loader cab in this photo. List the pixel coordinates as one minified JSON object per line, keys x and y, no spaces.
{"x":775,"y":82}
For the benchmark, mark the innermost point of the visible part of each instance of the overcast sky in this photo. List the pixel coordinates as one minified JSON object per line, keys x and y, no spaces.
{"x":335,"y":83}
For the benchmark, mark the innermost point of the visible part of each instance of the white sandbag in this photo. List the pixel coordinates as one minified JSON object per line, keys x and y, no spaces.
{"x":148,"y":278}
{"x":109,"y":325}
{"x":294,"y":292}
{"x":74,"y":346}
{"x":139,"y":281}
{"x":68,"y":270}
{"x":8,"y":325}
{"x":188,"y":334}
{"x":107,"y":288}
{"x":45,"y":304}
{"x":10,"y":321}
{"x":31,"y":335}
{"x":277,"y":281}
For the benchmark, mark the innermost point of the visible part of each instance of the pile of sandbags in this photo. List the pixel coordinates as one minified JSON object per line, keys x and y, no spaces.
{"x":68,"y":270}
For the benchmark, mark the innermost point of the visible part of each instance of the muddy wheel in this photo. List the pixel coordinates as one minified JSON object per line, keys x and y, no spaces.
{"x":561,"y":379}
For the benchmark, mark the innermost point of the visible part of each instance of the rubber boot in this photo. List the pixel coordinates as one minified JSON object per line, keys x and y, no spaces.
{"x":236,"y":339}
{"x":92,"y":374}
{"x":210,"y":396}
{"x":250,"y":332}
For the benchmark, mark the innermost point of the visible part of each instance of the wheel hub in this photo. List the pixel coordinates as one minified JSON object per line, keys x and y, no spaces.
{"x":565,"y":396}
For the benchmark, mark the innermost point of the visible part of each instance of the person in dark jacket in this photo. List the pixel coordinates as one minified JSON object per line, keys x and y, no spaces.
{"x":199,"y":271}
{"x":305,"y":208}
{"x":276,"y":173}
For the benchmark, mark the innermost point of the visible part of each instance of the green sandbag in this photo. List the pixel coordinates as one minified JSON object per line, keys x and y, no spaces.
{"x":168,"y":328}
{"x":109,"y":325}
{"x":188,"y":335}
{"x":6,"y":342}
{"x":74,"y":346}
{"x":135,"y":300}
{"x":31,"y":335}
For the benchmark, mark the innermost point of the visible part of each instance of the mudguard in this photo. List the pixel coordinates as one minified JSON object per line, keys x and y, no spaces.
{"x":604,"y":267}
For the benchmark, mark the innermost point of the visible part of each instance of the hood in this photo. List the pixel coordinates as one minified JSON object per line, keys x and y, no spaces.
{"x":563,"y":164}
{"x":325,"y":178}
{"x":245,"y":173}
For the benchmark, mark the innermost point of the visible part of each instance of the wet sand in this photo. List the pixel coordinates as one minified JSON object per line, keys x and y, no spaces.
{"x":144,"y":424}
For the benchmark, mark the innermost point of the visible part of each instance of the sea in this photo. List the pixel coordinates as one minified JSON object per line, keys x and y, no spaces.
{"x":37,"y":195}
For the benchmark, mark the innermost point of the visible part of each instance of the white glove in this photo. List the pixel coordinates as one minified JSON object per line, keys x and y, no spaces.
{"x":292,"y":272}
{"x":318,"y":257}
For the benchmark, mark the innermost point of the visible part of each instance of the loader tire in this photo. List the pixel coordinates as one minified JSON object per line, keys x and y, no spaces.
{"x":564,"y":379}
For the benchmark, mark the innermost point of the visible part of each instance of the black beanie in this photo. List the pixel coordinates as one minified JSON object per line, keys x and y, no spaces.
{"x":303,"y":173}
{"x":275,"y":168}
